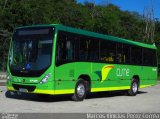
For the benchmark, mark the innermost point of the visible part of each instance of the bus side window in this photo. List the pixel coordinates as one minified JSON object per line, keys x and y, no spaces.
{"x":107,"y":51}
{"x":93,"y":49}
{"x":120,"y":54}
{"x":149,"y":57}
{"x":136,"y":55}
{"x":69,"y":50}
{"x":65,"y":47}
{"x":126,"y":54}
{"x":111,"y":57}
{"x":61,"y":48}
{"x":83,"y":50}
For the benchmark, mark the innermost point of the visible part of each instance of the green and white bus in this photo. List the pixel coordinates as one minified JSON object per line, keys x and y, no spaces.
{"x":55,"y":59}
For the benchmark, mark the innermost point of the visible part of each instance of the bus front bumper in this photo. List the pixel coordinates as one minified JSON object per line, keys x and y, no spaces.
{"x":38,"y":89}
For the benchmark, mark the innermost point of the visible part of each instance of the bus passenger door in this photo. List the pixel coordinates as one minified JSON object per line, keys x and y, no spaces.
{"x":65,"y":66}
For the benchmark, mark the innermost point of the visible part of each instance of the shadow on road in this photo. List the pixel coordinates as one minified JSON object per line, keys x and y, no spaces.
{"x":34,"y":97}
{"x":110,"y":94}
{"x":60,"y":98}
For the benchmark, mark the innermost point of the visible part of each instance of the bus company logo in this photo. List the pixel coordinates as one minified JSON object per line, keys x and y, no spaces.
{"x":33,"y":81}
{"x":105,"y":71}
{"x":122,"y":72}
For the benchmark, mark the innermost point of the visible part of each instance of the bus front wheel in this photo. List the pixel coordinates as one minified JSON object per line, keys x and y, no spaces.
{"x":134,"y":88}
{"x":80,"y":91}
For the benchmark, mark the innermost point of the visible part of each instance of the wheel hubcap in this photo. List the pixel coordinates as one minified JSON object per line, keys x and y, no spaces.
{"x":80,"y":90}
{"x":135,"y":87}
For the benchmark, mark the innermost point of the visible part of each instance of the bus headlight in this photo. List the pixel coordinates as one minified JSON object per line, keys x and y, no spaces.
{"x":8,"y":77}
{"x":45,"y":79}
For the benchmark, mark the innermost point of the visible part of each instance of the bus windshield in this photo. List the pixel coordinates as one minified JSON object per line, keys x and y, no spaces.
{"x":31,"y":51}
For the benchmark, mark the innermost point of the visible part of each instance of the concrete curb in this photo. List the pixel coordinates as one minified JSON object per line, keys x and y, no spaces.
{"x":2,"y":82}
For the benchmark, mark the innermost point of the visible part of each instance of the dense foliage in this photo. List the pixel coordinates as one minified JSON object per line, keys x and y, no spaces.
{"x":106,"y":19}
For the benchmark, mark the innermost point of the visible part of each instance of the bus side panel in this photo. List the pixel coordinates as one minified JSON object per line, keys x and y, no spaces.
{"x":81,"y":69}
{"x":107,"y":77}
{"x":119,"y":76}
{"x":149,"y":76}
{"x":65,"y":78}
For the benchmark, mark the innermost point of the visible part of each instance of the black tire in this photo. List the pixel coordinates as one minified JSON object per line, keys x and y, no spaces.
{"x":80,"y":91}
{"x":134,"y":88}
{"x":43,"y":96}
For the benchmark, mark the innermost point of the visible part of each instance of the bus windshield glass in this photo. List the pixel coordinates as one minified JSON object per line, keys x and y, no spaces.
{"x":31,"y":50}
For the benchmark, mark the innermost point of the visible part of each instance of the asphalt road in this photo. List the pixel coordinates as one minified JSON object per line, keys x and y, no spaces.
{"x":148,"y":100}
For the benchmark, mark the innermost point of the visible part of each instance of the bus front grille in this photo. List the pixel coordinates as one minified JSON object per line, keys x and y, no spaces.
{"x":29,"y":88}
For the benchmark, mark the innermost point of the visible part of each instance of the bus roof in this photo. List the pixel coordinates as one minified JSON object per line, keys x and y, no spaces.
{"x":93,"y":34}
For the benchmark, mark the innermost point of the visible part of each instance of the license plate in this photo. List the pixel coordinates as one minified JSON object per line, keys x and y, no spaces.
{"x":23,"y":90}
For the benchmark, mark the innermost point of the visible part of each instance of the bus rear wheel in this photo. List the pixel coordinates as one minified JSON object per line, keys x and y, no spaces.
{"x":80,"y":91}
{"x":134,"y":88}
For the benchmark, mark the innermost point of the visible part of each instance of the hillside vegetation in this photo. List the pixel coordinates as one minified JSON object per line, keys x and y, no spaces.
{"x":105,"y":18}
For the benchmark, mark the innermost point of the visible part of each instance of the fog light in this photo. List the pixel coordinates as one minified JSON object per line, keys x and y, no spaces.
{"x":8,"y":77}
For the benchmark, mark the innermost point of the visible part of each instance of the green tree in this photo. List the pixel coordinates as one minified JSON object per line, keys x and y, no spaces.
{"x":107,"y":19}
